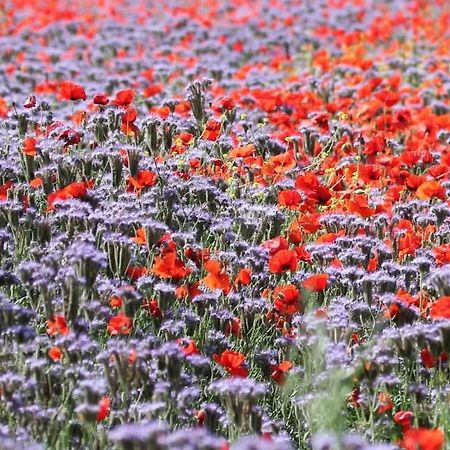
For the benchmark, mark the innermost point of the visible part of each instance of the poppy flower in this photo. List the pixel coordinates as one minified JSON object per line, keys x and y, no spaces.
{"x":120,"y":324}
{"x":316,"y":283}
{"x":57,"y":326}
{"x":143,"y":179}
{"x":430,"y":189}
{"x":136,"y":272}
{"x":384,"y":403}
{"x":124,"y":98}
{"x":188,"y":346}
{"x":69,"y":137}
{"x":310,"y":184}
{"x":278,"y":371}
{"x":287,"y":299}
{"x":152,"y":306}
{"x":242,"y":151}
{"x":233,"y":327}
{"x":275,"y":245}
{"x":169,"y":266}
{"x":440,"y":309}
{"x":404,"y":419}
{"x":30,"y":102}
{"x":189,"y":290}
{"x":140,"y":237}
{"x":116,"y":302}
{"x":359,"y":205}
{"x":233,"y":362}
{"x":72,"y":91}
{"x":227,"y":104}
{"x":423,"y":439}
{"x":289,"y":198}
{"x":101,"y":99}
{"x":29,"y":146}
{"x":55,"y":353}
{"x":442,"y":254}
{"x":212,"y":130}
{"x":104,"y":407}
{"x":283,"y":261}
{"x":216,"y":278}
{"x":72,"y":190}
{"x":243,"y":278}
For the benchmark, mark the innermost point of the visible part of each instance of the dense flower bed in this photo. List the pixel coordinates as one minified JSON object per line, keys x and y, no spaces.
{"x":224,"y":224}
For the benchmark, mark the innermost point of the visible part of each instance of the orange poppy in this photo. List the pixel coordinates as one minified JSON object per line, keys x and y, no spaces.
{"x":430,"y":189}
{"x":216,"y":278}
{"x":169,"y":266}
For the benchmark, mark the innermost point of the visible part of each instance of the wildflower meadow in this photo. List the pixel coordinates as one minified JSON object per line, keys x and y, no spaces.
{"x":224,"y":225}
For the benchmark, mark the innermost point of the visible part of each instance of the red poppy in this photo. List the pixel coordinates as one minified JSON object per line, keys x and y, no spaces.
{"x":442,"y":254}
{"x":120,"y":324}
{"x":244,"y":277}
{"x":404,"y":419}
{"x":101,"y":99}
{"x":29,"y":146}
{"x":4,"y":190}
{"x":286,"y":299}
{"x":384,"y":403}
{"x":423,"y":439}
{"x":283,"y":261}
{"x":233,"y":362}
{"x":276,"y":244}
{"x":72,"y":91}
{"x":57,"y":325}
{"x":316,"y":283}
{"x":359,"y":205}
{"x":278,"y":371}
{"x":152,"y":306}
{"x":104,"y":407}
{"x":212,"y":130}
{"x":289,"y":198}
{"x":72,"y":190}
{"x":187,"y":346}
{"x":124,"y":98}
{"x":140,"y":237}
{"x":30,"y":102}
{"x":135,"y":272}
{"x":144,"y":178}
{"x":55,"y":353}
{"x":440,"y":309}
{"x":116,"y":301}
{"x":310,"y":184}
{"x":233,"y":327}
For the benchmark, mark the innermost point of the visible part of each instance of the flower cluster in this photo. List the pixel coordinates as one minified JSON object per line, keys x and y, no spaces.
{"x":225,"y":225}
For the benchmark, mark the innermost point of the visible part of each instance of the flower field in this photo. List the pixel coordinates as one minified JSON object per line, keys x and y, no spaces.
{"x":224,"y":225}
